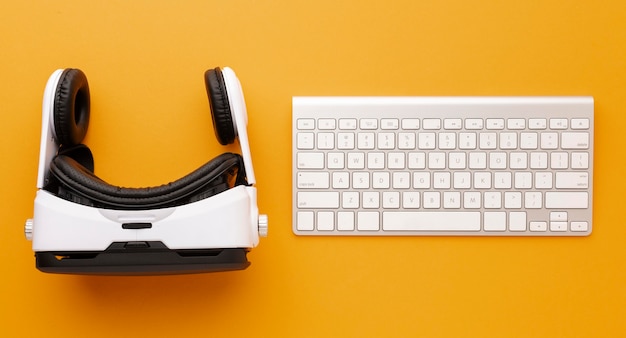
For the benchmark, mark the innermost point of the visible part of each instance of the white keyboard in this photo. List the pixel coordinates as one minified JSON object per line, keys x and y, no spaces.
{"x":468,"y":166}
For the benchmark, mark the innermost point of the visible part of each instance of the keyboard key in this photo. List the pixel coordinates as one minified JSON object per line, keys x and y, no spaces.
{"x":389,"y":124}
{"x":318,"y":199}
{"x":467,"y":141}
{"x":361,"y":180}
{"x":452,"y":200}
{"x":410,"y":200}
{"x":558,"y":124}
{"x":558,"y":226}
{"x":431,"y":124}
{"x":365,"y":141}
{"x":528,"y":141}
{"x":513,"y":200}
{"x":452,"y":124}
{"x":356,"y":160}
{"x":574,"y":140}
{"x":516,"y":124}
{"x":350,"y":200}
{"x":474,"y":124}
{"x":386,"y":141}
{"x":580,"y":124}
{"x":495,"y":124}
{"x":508,"y":140}
{"x":580,"y":160}
{"x":416,"y":160}
{"x":517,"y":221}
{"x":371,"y":200}
{"x":368,"y":124}
{"x":410,"y":124}
{"x":326,"y":124}
{"x":345,"y":141}
{"x":305,"y":141}
{"x":518,"y":160}
{"x":306,"y":124}
{"x":310,"y":160}
{"x":368,"y":221}
{"x":326,"y":221}
{"x":537,"y":124}
{"x":305,"y":221}
{"x":347,"y":124}
{"x":533,"y":200}
{"x":495,"y":221}
{"x":549,"y":140}
{"x":558,"y":216}
{"x":401,"y":180}
{"x":345,"y":221}
{"x":406,"y":141}
{"x":381,"y":180}
{"x":376,"y":160}
{"x":325,"y":141}
{"x":341,"y":180}
{"x":313,"y":180}
{"x":538,"y":226}
{"x":447,"y":141}
{"x":391,"y":200}
{"x":579,"y":226}
{"x":431,"y":221}
{"x":395,"y":160}
{"x":421,"y":180}
{"x":335,"y":161}
{"x":426,"y":141}
{"x":567,"y":200}
{"x":488,"y":140}
{"x":571,"y":180}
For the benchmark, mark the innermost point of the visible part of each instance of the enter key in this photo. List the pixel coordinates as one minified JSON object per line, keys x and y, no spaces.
{"x":572,"y":180}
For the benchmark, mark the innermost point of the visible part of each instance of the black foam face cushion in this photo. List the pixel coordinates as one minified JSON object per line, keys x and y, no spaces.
{"x":80,"y":184}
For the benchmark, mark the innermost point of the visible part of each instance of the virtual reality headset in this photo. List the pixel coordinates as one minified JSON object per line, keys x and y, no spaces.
{"x":205,"y":221}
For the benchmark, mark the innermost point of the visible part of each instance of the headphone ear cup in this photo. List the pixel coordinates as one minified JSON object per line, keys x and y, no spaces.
{"x":71,"y":107}
{"x":220,"y":108}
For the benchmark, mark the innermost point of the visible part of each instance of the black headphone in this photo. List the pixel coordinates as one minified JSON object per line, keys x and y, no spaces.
{"x":71,"y":171}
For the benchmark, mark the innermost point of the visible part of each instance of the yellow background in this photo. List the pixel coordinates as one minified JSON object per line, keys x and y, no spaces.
{"x":151,"y":124}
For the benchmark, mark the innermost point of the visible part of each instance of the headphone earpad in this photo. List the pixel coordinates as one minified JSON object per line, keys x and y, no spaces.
{"x":71,"y":107}
{"x":220,"y":108}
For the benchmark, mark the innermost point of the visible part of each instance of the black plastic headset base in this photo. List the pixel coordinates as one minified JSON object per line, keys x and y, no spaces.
{"x":142,"y":258}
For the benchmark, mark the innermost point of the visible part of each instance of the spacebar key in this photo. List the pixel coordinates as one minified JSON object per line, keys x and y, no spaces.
{"x":431,"y":221}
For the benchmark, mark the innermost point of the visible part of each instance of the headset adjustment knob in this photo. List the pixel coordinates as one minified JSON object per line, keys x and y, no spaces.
{"x":263,"y":225}
{"x":28,"y":229}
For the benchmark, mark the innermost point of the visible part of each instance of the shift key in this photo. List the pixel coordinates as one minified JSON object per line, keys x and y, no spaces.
{"x":318,"y":199}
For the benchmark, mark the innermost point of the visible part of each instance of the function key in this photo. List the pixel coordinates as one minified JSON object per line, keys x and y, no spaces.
{"x":410,"y":124}
{"x":516,"y":124}
{"x":431,"y":124}
{"x":473,"y":124}
{"x":326,"y":124}
{"x":580,"y":124}
{"x":389,"y":124}
{"x":537,"y":124}
{"x":495,"y":124}
{"x":349,"y":124}
{"x":558,"y":123}
{"x":368,"y":124}
{"x":306,"y":124}
{"x":453,"y":124}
